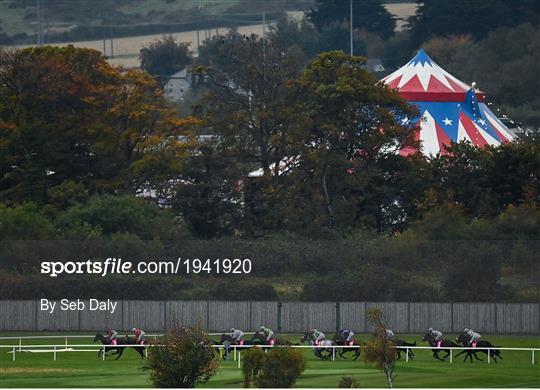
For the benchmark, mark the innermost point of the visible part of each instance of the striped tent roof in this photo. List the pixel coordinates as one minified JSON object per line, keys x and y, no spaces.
{"x":450,"y":110}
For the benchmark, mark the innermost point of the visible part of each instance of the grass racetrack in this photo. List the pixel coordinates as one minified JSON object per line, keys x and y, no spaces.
{"x":84,"y":369}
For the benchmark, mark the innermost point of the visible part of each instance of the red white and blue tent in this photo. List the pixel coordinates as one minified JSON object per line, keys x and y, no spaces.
{"x":450,"y":110}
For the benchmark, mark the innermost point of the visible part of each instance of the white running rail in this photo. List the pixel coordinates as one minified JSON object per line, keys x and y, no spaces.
{"x":56,"y":348}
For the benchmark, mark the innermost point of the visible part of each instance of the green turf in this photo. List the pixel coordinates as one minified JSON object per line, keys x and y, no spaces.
{"x":84,"y":369}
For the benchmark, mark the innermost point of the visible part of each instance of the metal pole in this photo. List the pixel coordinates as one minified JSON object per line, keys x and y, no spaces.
{"x":407,"y":355}
{"x":66,"y":342}
{"x":13,"y":358}
{"x":532,"y":360}
{"x":489,"y":356}
{"x":351,"y":27}
{"x":54,"y":353}
{"x":451,"y":350}
{"x":239,"y":354}
{"x":234,"y":352}
{"x":20,"y":344}
{"x":334,"y":353}
{"x":103,"y":353}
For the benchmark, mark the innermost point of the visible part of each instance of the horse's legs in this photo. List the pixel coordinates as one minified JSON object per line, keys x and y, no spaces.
{"x":119,"y":353}
{"x":475,"y":356}
{"x":141,"y":352}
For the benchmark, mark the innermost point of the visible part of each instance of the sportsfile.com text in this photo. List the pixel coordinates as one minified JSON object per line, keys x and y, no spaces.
{"x":113,"y":265}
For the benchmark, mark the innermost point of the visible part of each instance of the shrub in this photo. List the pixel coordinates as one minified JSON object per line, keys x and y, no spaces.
{"x":254,"y":359}
{"x":282,"y":368}
{"x":184,"y":358}
{"x":347,"y":382}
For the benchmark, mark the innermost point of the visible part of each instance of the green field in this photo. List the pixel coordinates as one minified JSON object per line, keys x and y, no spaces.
{"x":84,"y":369}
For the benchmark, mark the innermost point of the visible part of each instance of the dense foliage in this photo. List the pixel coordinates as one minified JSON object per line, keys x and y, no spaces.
{"x":281,"y":368}
{"x":164,"y":57}
{"x":183,"y":358}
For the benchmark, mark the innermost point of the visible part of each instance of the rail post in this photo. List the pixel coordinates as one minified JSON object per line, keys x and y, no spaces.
{"x":489,"y":354}
{"x":407,"y":355}
{"x":334,"y":354}
{"x":532,"y":359}
{"x":234,"y":352}
{"x":13,"y":358}
{"x":54,"y":352}
{"x":146,"y":351}
{"x":20,"y":344}
{"x":239,"y":354}
{"x":103,"y":357}
{"x":66,"y":342}
{"x":451,"y":352}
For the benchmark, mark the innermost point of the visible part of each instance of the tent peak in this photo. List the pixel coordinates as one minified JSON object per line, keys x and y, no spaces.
{"x":421,"y":58}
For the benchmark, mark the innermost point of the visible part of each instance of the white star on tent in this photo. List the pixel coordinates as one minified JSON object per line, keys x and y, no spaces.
{"x":405,"y":120}
{"x":482,"y":122}
{"x":447,"y":121}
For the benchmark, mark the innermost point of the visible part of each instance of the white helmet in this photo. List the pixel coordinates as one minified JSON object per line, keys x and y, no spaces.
{"x":133,"y":329}
{"x":262,"y":327}
{"x":430,"y":330}
{"x":466,"y":330}
{"x":232,"y":330}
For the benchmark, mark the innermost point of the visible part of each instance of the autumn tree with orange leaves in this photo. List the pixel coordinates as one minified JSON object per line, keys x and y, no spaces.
{"x":68,"y":118}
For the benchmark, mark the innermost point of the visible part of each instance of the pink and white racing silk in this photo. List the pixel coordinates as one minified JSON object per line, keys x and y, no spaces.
{"x":439,"y":342}
{"x":114,"y":342}
{"x":271,"y":342}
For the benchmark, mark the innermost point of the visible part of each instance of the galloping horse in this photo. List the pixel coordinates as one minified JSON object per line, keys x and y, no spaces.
{"x":227,"y":340}
{"x":319,"y":351}
{"x":444,"y":343}
{"x":340,"y":340}
{"x":119,"y":350}
{"x":403,"y":343}
{"x":494,"y":353}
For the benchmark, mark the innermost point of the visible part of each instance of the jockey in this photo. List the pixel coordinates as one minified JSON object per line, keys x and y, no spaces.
{"x":112,"y":334}
{"x":268,"y":333}
{"x":237,"y":336}
{"x":317,"y":336}
{"x":389,"y":334}
{"x":139,"y":335}
{"x":436,"y":334}
{"x":473,"y":336}
{"x":348,"y":336}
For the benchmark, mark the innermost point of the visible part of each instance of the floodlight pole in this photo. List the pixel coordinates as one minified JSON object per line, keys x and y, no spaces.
{"x":351,"y":27}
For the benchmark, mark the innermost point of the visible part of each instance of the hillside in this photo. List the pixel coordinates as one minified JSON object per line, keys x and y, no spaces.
{"x":72,"y":20}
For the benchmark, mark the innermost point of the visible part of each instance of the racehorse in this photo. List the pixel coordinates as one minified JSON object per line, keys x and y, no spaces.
{"x":319,"y":351}
{"x":227,"y":340}
{"x":119,"y":350}
{"x":340,"y":340}
{"x":403,"y":343}
{"x":494,"y":353}
{"x":444,"y":343}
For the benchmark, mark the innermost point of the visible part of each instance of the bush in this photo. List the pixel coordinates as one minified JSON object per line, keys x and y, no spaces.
{"x":184,"y":358}
{"x":282,"y":368}
{"x":254,"y":359}
{"x":346,"y":382}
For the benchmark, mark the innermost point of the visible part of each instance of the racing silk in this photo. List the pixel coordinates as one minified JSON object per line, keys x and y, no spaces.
{"x":437,"y":335}
{"x":139,"y":336}
{"x":269,"y":333}
{"x":347,"y":335}
{"x":474,"y":336}
{"x":318,"y":336}
{"x":112,"y":337}
{"x":237,"y":335}
{"x":389,"y":333}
